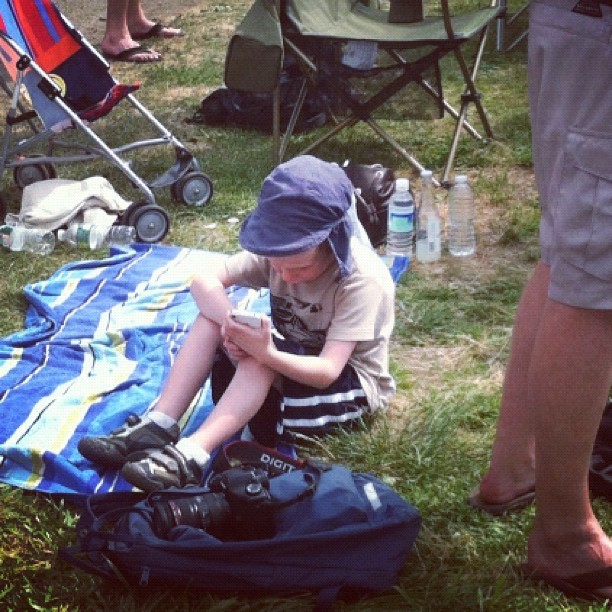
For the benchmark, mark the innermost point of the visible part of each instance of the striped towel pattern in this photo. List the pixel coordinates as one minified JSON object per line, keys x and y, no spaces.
{"x":99,"y":339}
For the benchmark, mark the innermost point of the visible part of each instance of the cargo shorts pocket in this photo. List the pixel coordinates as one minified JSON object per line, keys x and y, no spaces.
{"x":583,"y":215}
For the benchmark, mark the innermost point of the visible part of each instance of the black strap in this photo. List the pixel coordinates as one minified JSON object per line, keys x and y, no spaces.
{"x":244,"y":452}
{"x":108,"y":570}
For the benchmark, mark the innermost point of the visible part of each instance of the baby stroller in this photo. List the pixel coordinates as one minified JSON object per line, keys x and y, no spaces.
{"x":68,"y":87}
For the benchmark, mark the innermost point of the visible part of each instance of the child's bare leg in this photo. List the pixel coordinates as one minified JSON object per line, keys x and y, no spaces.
{"x":240,"y":402}
{"x":195,"y":359}
{"x":191,"y":368}
{"x":184,"y":464}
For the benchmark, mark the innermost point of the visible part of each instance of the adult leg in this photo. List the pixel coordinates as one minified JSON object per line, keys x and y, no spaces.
{"x":569,"y":381}
{"x":512,"y":467}
{"x":117,"y":42}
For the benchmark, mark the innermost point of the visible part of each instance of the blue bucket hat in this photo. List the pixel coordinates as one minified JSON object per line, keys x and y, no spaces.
{"x":302,"y":203}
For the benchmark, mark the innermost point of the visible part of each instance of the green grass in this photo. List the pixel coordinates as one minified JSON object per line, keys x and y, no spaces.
{"x":450,"y":346}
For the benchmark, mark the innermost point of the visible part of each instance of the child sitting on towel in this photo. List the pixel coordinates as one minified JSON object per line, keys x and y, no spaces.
{"x":325,"y":363}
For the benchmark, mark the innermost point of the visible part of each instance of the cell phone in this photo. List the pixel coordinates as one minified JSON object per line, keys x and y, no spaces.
{"x":251,"y":319}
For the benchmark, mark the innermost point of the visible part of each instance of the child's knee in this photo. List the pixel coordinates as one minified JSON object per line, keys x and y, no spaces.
{"x":250,"y":367}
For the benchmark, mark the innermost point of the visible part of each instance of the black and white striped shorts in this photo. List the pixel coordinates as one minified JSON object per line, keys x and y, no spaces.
{"x":298,"y":409}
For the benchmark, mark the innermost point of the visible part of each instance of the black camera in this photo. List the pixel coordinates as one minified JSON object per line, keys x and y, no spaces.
{"x":237,"y":507}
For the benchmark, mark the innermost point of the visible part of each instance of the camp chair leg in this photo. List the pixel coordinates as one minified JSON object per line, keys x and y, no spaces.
{"x":297,"y":110}
{"x":427,"y":87}
{"x":470,"y":95}
{"x":436,"y":96}
{"x":503,"y":21}
{"x":348,"y":122}
{"x":450,"y":160}
{"x":451,"y":110}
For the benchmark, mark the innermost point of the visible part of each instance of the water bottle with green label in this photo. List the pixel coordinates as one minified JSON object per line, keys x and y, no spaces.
{"x":89,"y":236}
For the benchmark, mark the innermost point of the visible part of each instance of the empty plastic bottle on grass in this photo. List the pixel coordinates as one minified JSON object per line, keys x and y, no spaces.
{"x":96,"y":236}
{"x":461,"y":232}
{"x":30,"y":239}
{"x":400,"y":232}
{"x":429,"y":227}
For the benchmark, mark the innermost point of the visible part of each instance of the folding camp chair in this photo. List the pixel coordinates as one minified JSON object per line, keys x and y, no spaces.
{"x":58,"y":85}
{"x":316,"y":33}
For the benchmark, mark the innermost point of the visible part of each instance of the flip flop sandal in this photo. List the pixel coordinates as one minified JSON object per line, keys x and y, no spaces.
{"x":517,"y":503}
{"x":131,"y":55}
{"x":157,"y":31}
{"x":586,"y":586}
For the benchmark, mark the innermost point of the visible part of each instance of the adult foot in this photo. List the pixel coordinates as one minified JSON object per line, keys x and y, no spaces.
{"x":578,"y":564}
{"x":591,"y":586}
{"x":136,"y":55}
{"x":501,"y":506}
{"x":157,"y":30}
{"x":498,"y":494}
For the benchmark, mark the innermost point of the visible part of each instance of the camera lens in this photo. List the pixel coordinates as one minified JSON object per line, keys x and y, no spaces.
{"x":209,"y":512}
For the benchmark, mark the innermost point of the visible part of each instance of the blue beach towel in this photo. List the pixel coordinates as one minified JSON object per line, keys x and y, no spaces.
{"x":99,"y":339}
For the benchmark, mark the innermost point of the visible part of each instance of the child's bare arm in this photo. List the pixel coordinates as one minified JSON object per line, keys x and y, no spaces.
{"x":208,"y":292}
{"x":317,"y":371}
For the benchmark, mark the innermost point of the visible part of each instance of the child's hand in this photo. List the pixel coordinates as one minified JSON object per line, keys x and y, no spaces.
{"x":250,"y":341}
{"x":234,"y":352}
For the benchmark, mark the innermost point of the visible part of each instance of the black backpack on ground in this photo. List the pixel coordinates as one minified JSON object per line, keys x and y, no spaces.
{"x":374,"y":185}
{"x":227,"y":106}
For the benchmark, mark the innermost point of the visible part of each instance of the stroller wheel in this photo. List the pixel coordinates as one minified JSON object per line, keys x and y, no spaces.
{"x":129,"y":214}
{"x":32,"y":173}
{"x":151,"y":223}
{"x":193,"y":189}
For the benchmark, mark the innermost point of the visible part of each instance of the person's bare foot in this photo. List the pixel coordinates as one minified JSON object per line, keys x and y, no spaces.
{"x":155,"y":30}
{"x":501,"y":489}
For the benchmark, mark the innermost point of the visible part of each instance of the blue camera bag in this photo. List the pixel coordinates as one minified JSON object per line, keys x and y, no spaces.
{"x":334,"y":530}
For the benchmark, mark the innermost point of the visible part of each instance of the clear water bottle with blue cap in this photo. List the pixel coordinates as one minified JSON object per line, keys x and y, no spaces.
{"x":400,"y":231}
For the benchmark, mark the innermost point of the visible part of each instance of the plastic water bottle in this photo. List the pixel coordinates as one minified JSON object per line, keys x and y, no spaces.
{"x":115,"y":234}
{"x":96,"y":236}
{"x":428,"y":226}
{"x":400,"y":229}
{"x":461,"y":233}
{"x":33,"y":240}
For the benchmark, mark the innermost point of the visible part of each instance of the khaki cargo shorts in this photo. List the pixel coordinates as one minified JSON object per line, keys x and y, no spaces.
{"x":570,"y":96}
